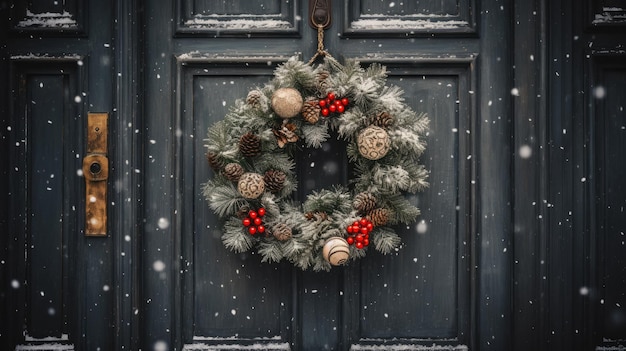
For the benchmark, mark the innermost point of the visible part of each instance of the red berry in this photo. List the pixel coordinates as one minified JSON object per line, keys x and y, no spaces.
{"x":328,"y":102}
{"x":261,"y":229}
{"x":369,"y":227}
{"x":349,"y":229}
{"x":332,"y":108}
{"x":359,"y":245}
{"x":355,"y":223}
{"x":345,"y":101}
{"x":363,"y":222}
{"x":366,"y":242}
{"x":341,"y":109}
{"x":325,"y":112}
{"x":246,"y":222}
{"x":355,"y":229}
{"x":359,"y":238}
{"x":350,"y":240}
{"x":258,"y":221}
{"x":322,"y":103}
{"x":261,"y":211}
{"x":337,"y":102}
{"x":252,"y":214}
{"x":331,"y":96}
{"x":363,"y":230}
{"x":252,"y":230}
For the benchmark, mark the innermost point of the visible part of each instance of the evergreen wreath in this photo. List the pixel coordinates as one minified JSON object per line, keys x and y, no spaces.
{"x":252,"y":150}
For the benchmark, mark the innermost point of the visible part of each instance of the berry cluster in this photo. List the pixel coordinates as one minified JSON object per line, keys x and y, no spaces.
{"x":333,"y":104}
{"x":359,"y":233}
{"x":254,"y":221}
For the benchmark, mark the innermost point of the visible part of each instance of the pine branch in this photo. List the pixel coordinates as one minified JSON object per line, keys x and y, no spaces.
{"x":415,"y":122}
{"x":270,"y":203}
{"x":364,"y":92}
{"x":349,"y":122}
{"x":357,"y":253}
{"x":320,"y":264}
{"x":234,"y":237}
{"x":315,"y":134}
{"x":277,"y":161}
{"x":391,"y":99}
{"x":294,"y":247}
{"x":403,"y":211}
{"x":220,"y":142}
{"x":417,"y":174}
{"x":407,"y":142}
{"x":390,"y":179}
{"x":296,"y":74}
{"x":385,"y":240}
{"x":270,"y":250}
{"x":224,"y":199}
{"x":328,"y":201}
{"x":377,"y":71}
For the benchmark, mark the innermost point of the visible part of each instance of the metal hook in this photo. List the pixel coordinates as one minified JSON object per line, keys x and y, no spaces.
{"x":319,"y":13}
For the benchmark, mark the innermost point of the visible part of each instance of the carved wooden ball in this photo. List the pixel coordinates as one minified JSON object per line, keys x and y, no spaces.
{"x":287,"y":102}
{"x":373,"y":143}
{"x":336,"y":251}
{"x":251,"y":185}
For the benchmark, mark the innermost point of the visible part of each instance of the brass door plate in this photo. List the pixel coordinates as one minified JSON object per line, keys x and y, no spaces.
{"x":96,"y":173}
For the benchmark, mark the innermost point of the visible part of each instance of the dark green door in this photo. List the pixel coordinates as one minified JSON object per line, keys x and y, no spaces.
{"x":452,"y":62}
{"x":62,"y":289}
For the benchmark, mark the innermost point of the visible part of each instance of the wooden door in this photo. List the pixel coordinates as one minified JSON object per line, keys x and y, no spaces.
{"x":62,"y":290}
{"x":587,"y":143}
{"x":447,"y":287}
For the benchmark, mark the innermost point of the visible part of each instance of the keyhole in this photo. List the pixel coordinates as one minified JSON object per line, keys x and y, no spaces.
{"x":95,"y":168}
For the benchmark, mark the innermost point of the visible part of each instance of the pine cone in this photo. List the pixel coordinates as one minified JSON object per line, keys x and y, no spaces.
{"x":233,"y":172}
{"x":378,"y":216}
{"x":383,"y":120}
{"x":281,"y":231}
{"x":250,"y":145}
{"x":311,"y":111}
{"x":254,"y":98}
{"x":274,"y":180}
{"x":214,"y":161}
{"x":285,"y":133}
{"x":364,"y":202}
{"x":322,"y":83}
{"x":242,"y":212}
{"x":317,"y":215}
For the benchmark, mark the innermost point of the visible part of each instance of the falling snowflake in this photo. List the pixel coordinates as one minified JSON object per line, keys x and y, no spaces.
{"x":158,"y":266}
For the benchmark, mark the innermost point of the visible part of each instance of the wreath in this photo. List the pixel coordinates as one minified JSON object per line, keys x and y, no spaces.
{"x":252,"y":152}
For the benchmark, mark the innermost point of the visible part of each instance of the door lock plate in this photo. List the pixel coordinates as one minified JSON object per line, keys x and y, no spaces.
{"x":96,"y":173}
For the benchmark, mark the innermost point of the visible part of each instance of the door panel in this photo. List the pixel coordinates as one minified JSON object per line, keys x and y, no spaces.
{"x":423,"y":291}
{"x":608,"y":245}
{"x":231,"y":297}
{"x":46,"y":193}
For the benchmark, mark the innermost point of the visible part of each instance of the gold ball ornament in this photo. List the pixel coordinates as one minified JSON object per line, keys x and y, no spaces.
{"x":373,"y":143}
{"x":336,"y":251}
{"x":287,"y":102}
{"x":251,"y":185}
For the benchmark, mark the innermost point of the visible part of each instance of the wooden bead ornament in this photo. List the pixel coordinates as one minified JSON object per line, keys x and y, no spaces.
{"x":287,"y":102}
{"x":336,"y":251}
{"x":251,"y":185}
{"x":373,"y":143}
